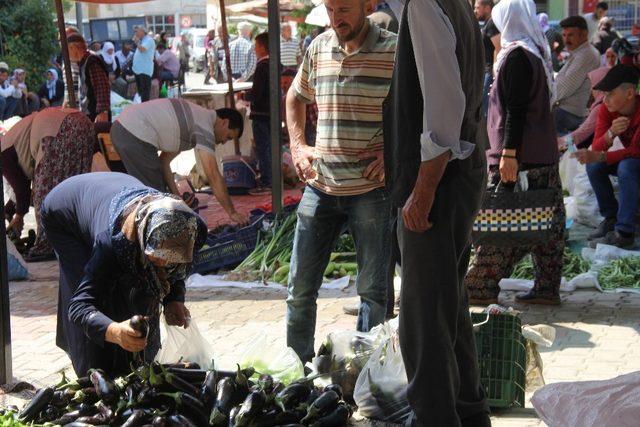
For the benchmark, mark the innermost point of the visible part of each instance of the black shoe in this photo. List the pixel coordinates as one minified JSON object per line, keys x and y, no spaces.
{"x":614,"y":238}
{"x":606,"y":226}
{"x":533,"y":298}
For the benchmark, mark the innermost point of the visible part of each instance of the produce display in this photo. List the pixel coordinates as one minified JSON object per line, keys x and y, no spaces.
{"x":620,"y":273}
{"x":573,"y":265}
{"x":270,"y":260}
{"x":183,"y":395}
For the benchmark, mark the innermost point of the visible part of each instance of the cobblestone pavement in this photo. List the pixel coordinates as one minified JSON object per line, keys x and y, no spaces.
{"x":598,"y":335}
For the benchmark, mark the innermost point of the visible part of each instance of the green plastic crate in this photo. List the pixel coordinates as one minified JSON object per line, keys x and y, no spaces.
{"x":502,"y":358}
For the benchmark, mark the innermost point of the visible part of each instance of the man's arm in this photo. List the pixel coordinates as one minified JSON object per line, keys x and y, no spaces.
{"x":602,"y":141}
{"x":167,"y":174}
{"x":302,"y":92}
{"x":216,"y":181}
{"x":444,"y":106}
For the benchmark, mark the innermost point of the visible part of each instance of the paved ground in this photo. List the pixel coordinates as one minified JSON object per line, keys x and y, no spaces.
{"x":598,"y":335}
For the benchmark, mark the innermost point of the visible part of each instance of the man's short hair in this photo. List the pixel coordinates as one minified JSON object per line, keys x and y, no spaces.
{"x":76,"y":39}
{"x":486,"y":3}
{"x":235,"y":119}
{"x":574,"y":22}
{"x":602,"y":5}
{"x":263,"y":40}
{"x":140,"y":28}
{"x":289,"y":72}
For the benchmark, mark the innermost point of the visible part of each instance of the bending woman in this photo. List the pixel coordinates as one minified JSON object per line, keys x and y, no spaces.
{"x":38,"y":153}
{"x":124,"y":249}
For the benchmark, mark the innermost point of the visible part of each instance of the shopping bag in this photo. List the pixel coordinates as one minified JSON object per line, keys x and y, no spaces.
{"x":344,"y":354}
{"x":510,"y":217}
{"x":187,"y":345}
{"x":381,"y":389}
{"x":282,"y":364}
{"x":609,"y":403}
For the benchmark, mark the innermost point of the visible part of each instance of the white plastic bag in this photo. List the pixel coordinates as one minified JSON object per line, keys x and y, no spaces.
{"x":569,"y":169}
{"x":587,"y":211}
{"x":282,"y":364}
{"x":187,"y":345}
{"x":381,"y":389}
{"x":609,"y":403}
{"x":344,"y":354}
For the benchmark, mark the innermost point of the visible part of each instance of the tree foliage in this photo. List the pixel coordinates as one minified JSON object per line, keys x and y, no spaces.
{"x":29,"y":38}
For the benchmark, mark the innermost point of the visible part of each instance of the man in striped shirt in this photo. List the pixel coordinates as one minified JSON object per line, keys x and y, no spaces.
{"x":347,"y":71}
{"x":290,"y":53}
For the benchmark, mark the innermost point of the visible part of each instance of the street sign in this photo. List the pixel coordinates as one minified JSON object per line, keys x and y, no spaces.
{"x":185,"y":22}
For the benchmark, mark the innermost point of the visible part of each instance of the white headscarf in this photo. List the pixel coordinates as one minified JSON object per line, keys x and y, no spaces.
{"x":109,"y":59}
{"x":519,"y":27}
{"x":51,"y":84}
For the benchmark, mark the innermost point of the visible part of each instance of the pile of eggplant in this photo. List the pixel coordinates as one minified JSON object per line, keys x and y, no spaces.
{"x":183,"y":395}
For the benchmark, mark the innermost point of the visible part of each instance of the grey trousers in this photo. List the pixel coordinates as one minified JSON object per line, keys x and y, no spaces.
{"x":436,"y":333}
{"x":139,"y":157}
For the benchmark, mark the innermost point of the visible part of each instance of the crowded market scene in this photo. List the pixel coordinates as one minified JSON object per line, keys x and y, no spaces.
{"x":320,"y":213}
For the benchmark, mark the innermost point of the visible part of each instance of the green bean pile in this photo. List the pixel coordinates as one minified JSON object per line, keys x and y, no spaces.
{"x":620,"y":273}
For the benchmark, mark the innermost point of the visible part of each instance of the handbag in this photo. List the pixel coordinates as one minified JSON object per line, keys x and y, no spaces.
{"x":511,"y":217}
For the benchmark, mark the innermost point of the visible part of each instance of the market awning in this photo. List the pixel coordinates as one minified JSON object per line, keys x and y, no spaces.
{"x":261,"y":7}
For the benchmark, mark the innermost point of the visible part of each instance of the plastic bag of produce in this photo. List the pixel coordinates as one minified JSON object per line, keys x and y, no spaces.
{"x":609,"y":403}
{"x":381,"y":389}
{"x":281,"y":363}
{"x":344,"y":354}
{"x":188,"y":345}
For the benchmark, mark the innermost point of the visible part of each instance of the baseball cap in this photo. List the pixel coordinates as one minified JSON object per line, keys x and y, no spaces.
{"x":616,"y":76}
{"x":4,"y":66}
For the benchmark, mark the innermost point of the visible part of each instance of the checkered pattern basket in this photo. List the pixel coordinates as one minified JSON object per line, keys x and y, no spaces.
{"x":514,"y":218}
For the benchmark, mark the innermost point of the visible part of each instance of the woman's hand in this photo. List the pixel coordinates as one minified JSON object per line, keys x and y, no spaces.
{"x":125,"y":336}
{"x":177,"y":314}
{"x":508,"y":169}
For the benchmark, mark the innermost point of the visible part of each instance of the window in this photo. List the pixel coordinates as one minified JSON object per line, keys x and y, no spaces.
{"x":159,"y":23}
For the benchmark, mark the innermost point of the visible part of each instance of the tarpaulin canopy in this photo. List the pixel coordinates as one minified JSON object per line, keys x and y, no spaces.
{"x":261,"y":7}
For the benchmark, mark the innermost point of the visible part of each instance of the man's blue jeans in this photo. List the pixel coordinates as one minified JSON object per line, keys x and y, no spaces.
{"x":321,"y":219}
{"x":565,"y":121}
{"x":8,"y":107}
{"x":628,"y":172}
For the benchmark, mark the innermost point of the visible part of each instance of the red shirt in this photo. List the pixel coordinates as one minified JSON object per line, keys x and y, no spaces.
{"x":629,"y":138}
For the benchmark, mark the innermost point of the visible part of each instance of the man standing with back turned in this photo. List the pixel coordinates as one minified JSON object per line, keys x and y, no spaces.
{"x":436,"y":175}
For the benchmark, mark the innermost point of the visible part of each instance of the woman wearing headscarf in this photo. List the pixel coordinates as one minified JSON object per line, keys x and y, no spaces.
{"x":556,"y":43}
{"x":522,"y":140}
{"x":51,"y":92}
{"x":124,"y":249}
{"x":108,"y":54}
{"x":38,"y":153}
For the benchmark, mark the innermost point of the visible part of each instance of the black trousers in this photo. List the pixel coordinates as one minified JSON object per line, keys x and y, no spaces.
{"x":436,"y":334}
{"x":143,"y":84}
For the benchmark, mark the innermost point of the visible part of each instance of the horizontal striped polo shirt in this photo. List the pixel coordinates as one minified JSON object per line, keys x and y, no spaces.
{"x":349,"y":90}
{"x":289,"y":52}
